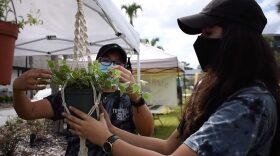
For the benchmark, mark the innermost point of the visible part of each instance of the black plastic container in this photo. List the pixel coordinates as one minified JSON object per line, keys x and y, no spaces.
{"x":80,"y":98}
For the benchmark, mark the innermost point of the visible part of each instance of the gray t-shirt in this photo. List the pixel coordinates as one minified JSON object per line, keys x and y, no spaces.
{"x":244,"y":125}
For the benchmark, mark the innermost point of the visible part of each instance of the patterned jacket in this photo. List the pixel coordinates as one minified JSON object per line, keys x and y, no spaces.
{"x":244,"y":125}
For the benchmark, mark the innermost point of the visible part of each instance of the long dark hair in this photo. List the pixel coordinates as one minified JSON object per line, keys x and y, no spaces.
{"x":243,"y":58}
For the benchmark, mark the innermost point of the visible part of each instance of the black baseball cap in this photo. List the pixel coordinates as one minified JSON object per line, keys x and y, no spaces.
{"x":110,"y":47}
{"x":246,"y":12}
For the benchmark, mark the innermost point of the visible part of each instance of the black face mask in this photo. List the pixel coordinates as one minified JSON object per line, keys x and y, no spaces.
{"x":206,"y":50}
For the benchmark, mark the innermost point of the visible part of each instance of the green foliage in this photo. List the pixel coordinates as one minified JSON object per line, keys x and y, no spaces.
{"x":153,"y":42}
{"x":277,"y":56}
{"x":146,"y":96}
{"x":269,"y":39}
{"x":186,"y":65}
{"x":37,"y":127}
{"x":10,"y":134}
{"x":32,"y":18}
{"x":6,"y":99}
{"x":82,"y":78}
{"x":131,"y":10}
{"x":16,"y":130}
{"x":165,"y":124}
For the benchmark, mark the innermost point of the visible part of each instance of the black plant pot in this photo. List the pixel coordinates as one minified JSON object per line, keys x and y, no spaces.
{"x":81,"y":99}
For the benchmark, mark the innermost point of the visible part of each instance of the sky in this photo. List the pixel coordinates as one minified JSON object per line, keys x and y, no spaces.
{"x":158,"y":18}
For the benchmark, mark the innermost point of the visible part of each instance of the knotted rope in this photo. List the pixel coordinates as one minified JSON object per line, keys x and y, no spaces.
{"x":80,"y":50}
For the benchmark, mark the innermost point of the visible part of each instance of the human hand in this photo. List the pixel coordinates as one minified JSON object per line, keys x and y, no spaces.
{"x":34,"y":79}
{"x":126,"y":76}
{"x":86,"y":126}
{"x":107,"y":118}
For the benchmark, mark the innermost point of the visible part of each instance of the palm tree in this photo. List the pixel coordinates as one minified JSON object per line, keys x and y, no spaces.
{"x":186,"y":65}
{"x":160,"y":47}
{"x":131,"y":11}
{"x":145,"y":40}
{"x":152,"y":42}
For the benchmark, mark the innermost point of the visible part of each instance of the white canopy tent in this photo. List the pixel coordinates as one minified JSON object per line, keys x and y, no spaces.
{"x":154,"y":60}
{"x":105,"y":24}
{"x":160,"y":71}
{"x":55,"y":36}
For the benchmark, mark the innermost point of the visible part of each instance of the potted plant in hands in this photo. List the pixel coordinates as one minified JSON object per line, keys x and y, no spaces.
{"x":9,"y":30}
{"x":82,"y":87}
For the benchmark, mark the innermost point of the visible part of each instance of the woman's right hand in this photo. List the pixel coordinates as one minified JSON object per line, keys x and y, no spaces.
{"x":34,"y":79}
{"x":86,"y":126}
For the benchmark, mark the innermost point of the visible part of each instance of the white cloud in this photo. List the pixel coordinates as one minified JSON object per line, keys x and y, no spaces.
{"x":268,"y":4}
{"x":273,"y":25}
{"x":159,"y":19}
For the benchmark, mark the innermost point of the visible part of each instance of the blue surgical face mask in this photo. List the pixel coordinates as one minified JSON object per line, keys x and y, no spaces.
{"x":104,"y":68}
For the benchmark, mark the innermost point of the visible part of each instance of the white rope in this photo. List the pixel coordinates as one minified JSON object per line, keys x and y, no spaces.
{"x":80,"y":41}
{"x":80,"y":50}
{"x":83,"y":151}
{"x":63,"y":98}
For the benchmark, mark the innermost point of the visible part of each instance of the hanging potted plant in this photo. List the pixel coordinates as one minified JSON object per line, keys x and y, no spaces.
{"x":82,"y":82}
{"x":9,"y":30}
{"x":82,"y":87}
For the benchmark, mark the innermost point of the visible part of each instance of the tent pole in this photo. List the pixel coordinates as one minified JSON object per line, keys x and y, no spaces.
{"x":138,"y":70}
{"x":180,"y":89}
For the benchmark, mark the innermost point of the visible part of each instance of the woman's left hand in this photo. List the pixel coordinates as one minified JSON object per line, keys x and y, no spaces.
{"x":86,"y":126}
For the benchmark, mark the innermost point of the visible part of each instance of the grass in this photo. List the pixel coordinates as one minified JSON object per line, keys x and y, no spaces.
{"x":169,"y":123}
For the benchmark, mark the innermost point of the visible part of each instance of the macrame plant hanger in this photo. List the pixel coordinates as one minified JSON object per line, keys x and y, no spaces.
{"x":80,"y":51}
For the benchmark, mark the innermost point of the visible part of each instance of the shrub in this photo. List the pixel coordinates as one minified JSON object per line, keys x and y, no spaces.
{"x":16,"y":129}
{"x":10,"y":134}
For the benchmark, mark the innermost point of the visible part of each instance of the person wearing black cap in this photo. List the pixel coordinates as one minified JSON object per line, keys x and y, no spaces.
{"x":127,"y":112}
{"x":234,"y":110}
{"x":130,"y":106}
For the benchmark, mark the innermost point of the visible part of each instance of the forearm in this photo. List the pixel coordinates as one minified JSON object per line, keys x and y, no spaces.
{"x":143,"y":120}
{"x":31,"y":110}
{"x":22,"y":104}
{"x":150,"y":143}
{"x":120,"y":145}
